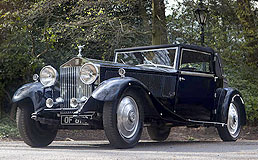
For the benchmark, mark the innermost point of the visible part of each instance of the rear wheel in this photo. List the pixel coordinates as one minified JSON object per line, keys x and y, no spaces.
{"x":158,"y":133}
{"x":32,"y":132}
{"x":231,"y":131}
{"x":123,"y":120}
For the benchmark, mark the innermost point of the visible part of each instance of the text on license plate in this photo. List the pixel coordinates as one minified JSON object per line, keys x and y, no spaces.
{"x":70,"y":120}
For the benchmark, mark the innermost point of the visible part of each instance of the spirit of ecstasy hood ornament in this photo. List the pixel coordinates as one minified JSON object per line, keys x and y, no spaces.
{"x":80,"y":50}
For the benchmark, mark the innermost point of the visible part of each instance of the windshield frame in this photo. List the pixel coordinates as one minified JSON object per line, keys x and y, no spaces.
{"x":158,"y":49}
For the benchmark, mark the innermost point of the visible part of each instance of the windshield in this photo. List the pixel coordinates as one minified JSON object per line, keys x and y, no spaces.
{"x":148,"y":58}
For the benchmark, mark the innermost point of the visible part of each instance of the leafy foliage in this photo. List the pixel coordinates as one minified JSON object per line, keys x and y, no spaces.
{"x":8,"y":129}
{"x":17,"y":63}
{"x":101,"y":26}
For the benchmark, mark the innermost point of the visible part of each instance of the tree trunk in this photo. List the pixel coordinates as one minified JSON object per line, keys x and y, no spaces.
{"x":143,"y":13}
{"x":1,"y":110}
{"x":159,"y":29}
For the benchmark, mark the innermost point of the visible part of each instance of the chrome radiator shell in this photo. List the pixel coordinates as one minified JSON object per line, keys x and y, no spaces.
{"x":71,"y":86}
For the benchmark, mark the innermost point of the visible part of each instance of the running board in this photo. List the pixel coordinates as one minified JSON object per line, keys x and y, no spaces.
{"x":178,"y":119}
{"x":206,"y":123}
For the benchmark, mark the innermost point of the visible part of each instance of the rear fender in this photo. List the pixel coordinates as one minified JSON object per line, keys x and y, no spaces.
{"x":224,"y":97}
{"x":33,"y":91}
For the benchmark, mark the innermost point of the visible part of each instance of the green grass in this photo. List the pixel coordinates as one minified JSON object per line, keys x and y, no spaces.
{"x":8,"y":129}
{"x":191,"y":138}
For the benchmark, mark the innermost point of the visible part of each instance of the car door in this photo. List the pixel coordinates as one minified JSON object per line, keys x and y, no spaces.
{"x":196,"y":85}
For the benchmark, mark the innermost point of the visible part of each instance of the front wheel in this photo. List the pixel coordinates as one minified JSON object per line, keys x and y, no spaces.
{"x":32,"y":132}
{"x":231,"y":131}
{"x":123,"y":120}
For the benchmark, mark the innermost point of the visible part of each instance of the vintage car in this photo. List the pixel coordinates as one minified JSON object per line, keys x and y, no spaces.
{"x":157,"y":87}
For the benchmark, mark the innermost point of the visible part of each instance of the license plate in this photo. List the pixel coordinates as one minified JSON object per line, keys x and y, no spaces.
{"x":70,"y":120}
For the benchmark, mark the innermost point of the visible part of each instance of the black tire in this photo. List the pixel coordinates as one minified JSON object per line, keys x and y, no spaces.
{"x":158,"y":133}
{"x":225,"y":132}
{"x":32,"y":132}
{"x":111,"y":117}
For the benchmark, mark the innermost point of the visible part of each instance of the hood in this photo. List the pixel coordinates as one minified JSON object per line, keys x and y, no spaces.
{"x":79,"y":61}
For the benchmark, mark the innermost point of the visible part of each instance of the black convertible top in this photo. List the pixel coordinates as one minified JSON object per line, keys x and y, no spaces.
{"x":195,"y":47}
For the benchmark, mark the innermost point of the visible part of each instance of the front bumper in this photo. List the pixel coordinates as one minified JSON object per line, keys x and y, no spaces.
{"x":87,"y":112}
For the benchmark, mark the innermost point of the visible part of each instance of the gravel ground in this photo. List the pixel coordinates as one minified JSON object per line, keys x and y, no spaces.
{"x":66,"y":150}
{"x":176,"y":134}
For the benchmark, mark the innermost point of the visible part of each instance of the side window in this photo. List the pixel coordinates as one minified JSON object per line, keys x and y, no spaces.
{"x":195,"y":61}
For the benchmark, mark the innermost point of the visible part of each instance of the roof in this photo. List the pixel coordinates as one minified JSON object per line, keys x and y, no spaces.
{"x":195,"y":47}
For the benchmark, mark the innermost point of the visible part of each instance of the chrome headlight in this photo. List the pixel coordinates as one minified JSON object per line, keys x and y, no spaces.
{"x":89,"y":73}
{"x":48,"y":76}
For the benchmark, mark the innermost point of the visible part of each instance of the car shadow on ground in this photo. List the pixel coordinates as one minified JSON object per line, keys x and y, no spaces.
{"x":167,"y":146}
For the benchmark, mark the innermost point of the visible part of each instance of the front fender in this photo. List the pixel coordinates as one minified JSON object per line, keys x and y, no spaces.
{"x":225,"y":97}
{"x":110,"y":89}
{"x":34,"y":91}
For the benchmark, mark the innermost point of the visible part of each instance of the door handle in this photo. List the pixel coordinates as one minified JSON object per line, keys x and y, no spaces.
{"x":181,"y":79}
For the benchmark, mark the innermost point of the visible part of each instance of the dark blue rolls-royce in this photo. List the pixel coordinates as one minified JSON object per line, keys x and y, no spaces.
{"x":157,"y":87}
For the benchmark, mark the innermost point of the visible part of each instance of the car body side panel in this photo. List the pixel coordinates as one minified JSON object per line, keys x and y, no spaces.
{"x":159,"y":84}
{"x":196,"y":90}
{"x":195,"y":97}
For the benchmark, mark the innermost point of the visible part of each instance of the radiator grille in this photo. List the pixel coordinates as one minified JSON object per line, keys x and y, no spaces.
{"x":71,"y":85}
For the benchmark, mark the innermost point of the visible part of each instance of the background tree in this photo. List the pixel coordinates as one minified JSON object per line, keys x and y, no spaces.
{"x":159,"y":28}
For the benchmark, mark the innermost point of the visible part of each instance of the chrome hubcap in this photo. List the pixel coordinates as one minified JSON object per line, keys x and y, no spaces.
{"x":232,"y":123}
{"x":127,"y":117}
